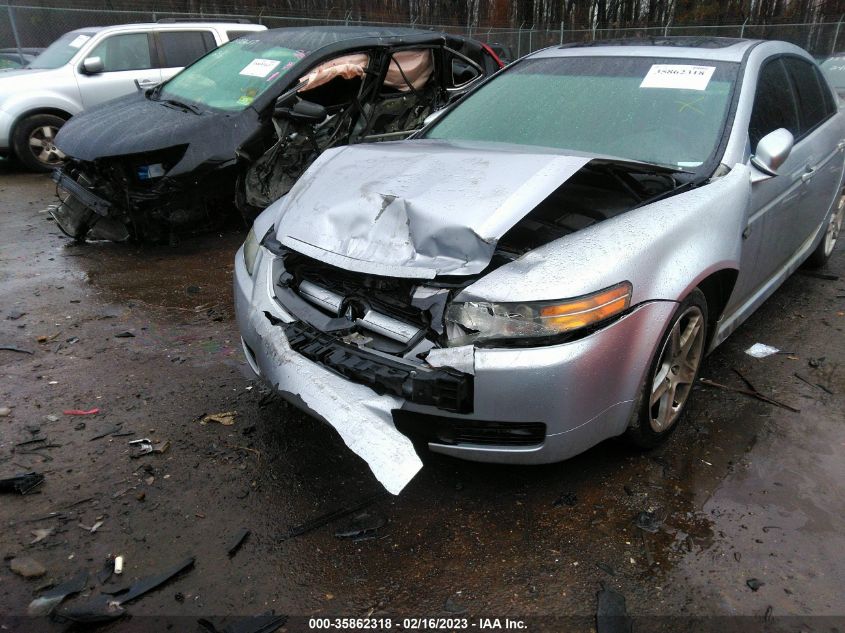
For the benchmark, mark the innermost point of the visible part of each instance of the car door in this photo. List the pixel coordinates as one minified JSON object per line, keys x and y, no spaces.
{"x":822,"y":150}
{"x":181,"y":48}
{"x":126,"y":57}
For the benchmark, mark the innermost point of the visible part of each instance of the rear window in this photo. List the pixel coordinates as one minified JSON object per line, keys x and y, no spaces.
{"x":182,"y":48}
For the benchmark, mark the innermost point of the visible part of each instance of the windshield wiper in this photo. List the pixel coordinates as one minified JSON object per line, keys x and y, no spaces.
{"x":182,"y":105}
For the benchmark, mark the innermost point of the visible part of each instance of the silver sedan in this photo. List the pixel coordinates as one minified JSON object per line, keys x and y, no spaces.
{"x":546,"y":264}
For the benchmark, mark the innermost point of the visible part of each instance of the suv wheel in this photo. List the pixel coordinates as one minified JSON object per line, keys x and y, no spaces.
{"x":34,"y":142}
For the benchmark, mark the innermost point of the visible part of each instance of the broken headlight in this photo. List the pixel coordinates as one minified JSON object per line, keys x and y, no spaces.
{"x":251,"y":247}
{"x":477,"y":321}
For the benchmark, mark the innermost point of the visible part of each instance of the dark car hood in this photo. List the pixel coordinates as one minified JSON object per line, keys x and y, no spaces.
{"x":136,"y":125}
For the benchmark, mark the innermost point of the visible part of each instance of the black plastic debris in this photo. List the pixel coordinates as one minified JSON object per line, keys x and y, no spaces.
{"x":126,"y":334}
{"x":12,"y":348}
{"x":106,"y":572}
{"x":237,"y":541}
{"x":754,"y":584}
{"x":256,"y":624}
{"x":566,"y":499}
{"x":648,"y":521}
{"x":107,"y":607}
{"x":611,"y":613}
{"x":22,"y":484}
{"x":363,"y":526}
{"x":334,"y":515}
{"x":44,"y":604}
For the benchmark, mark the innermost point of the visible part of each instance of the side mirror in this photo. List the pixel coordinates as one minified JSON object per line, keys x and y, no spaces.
{"x":772,"y":151}
{"x":431,"y":118}
{"x":302,"y":112}
{"x":92,"y":65}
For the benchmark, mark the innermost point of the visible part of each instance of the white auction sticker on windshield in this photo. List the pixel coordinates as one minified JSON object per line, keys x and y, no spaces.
{"x":79,"y":40}
{"x":260,"y":67}
{"x":678,"y":77}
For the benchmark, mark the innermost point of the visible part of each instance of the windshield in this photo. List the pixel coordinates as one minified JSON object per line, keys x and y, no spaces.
{"x":834,"y":70}
{"x":60,"y":51}
{"x":232,"y":76}
{"x":665,"y":111}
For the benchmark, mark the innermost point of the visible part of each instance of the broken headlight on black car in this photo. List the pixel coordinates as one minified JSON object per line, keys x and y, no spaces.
{"x":478,"y":321}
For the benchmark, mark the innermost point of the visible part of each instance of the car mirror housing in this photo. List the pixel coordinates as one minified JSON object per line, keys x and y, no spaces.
{"x":772,"y":151}
{"x":302,"y":111}
{"x":92,"y":65}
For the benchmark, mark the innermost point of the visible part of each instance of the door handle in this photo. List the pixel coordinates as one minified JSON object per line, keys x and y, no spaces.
{"x":147,"y":83}
{"x":809,"y":172}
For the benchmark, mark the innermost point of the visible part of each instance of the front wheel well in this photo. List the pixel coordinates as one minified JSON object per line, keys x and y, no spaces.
{"x":54,"y":111}
{"x":717,"y":288}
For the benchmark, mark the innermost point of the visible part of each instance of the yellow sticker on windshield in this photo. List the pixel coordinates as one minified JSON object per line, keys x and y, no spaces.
{"x":678,"y":77}
{"x":245,"y":100}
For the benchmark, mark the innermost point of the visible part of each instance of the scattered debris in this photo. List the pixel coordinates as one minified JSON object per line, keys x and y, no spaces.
{"x":44,"y":604}
{"x":324,"y":519}
{"x":118,"y":565}
{"x":12,"y":348}
{"x":5,"y":411}
{"x":93,"y":411}
{"x":761,"y":350}
{"x":227,"y":418}
{"x":566,"y":499}
{"x":815,"y":363}
{"x":107,"y":607}
{"x":812,"y":384}
{"x":126,"y":334}
{"x":257,"y":624}
{"x":106,"y":572}
{"x":749,"y":392}
{"x":40,"y":534}
{"x":14,"y":315}
{"x":754,"y":584}
{"x":363,"y":526}
{"x":237,"y":541}
{"x":145,"y":446}
{"x":22,"y":484}
{"x":611,"y":613}
{"x":648,"y":521}
{"x":92,"y":529}
{"x":27,"y":567}
{"x":606,"y":568}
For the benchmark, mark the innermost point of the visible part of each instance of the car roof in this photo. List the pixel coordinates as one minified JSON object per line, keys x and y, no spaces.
{"x":728,"y":49}
{"x":188,"y":24}
{"x":311,"y":38}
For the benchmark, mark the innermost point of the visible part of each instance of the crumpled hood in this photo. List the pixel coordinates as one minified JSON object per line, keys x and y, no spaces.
{"x":134,"y":124}
{"x":417,"y":208}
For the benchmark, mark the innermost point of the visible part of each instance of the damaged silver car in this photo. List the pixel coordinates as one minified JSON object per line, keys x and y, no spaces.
{"x":545,"y":265}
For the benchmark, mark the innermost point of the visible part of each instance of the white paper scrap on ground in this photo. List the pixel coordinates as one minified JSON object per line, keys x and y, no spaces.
{"x":259,"y":67}
{"x":760,"y":350}
{"x":678,"y":76}
{"x":361,"y":417}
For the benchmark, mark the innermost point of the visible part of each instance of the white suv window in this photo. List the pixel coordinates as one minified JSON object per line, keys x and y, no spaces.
{"x":127,"y":51}
{"x":182,"y":48}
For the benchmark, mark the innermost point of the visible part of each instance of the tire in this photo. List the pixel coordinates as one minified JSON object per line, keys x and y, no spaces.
{"x":671,"y":375}
{"x":33,"y":141}
{"x":824,"y":250}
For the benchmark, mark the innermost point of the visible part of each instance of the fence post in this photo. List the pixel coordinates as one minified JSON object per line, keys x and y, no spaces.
{"x":530,"y":42}
{"x":836,"y":35}
{"x":15,"y":31}
{"x":561,"y":32}
{"x":666,"y":28}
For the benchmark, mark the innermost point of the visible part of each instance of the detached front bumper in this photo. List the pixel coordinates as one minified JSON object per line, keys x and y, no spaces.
{"x":529,"y":405}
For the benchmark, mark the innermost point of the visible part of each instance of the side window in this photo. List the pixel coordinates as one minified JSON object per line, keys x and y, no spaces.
{"x":830,"y":106}
{"x":181,"y":48}
{"x":774,"y":104}
{"x":233,"y":35}
{"x":811,"y":102}
{"x":462,"y":72}
{"x":128,"y":51}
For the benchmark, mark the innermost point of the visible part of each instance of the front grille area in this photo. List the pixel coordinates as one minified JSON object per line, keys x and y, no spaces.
{"x":446,"y":430}
{"x":445,"y":389}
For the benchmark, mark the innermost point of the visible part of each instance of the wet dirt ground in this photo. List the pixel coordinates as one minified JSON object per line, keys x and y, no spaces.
{"x":744,"y":490}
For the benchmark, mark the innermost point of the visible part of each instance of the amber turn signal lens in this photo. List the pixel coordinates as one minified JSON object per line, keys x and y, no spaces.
{"x":583,"y":311}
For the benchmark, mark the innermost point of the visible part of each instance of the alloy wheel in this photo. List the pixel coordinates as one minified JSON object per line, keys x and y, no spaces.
{"x":42,"y":144}
{"x":682,"y":353}
{"x":834,"y":227}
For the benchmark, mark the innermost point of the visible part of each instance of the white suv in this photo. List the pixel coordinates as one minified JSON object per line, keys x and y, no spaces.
{"x":88,"y":66}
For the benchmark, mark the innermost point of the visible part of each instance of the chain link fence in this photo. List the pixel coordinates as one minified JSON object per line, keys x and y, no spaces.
{"x":29,"y":26}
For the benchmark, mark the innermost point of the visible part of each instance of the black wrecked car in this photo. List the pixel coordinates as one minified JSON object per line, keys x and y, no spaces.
{"x":236,"y":129}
